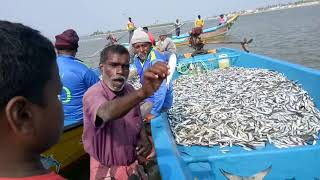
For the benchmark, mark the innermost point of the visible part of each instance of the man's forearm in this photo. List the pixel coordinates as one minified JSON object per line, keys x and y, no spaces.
{"x":120,"y":106}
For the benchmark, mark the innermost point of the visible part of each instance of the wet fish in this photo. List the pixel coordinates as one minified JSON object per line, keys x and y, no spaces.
{"x":172,"y":66}
{"x":244,"y":107}
{"x":258,"y":176}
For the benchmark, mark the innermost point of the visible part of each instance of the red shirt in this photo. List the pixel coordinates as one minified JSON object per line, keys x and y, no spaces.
{"x":50,"y":176}
{"x":151,"y":38}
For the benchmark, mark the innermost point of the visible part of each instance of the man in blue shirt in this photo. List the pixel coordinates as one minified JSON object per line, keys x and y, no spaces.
{"x":75,"y":76}
{"x":145,"y":57}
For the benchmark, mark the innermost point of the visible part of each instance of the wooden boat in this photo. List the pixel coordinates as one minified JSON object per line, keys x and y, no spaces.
{"x":197,"y":162}
{"x":209,"y":33}
{"x":69,"y":148}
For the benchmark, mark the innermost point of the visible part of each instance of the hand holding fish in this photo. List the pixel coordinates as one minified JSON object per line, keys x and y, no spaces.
{"x":153,"y":78}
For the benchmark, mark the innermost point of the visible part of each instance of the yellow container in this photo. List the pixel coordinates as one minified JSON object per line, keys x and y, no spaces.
{"x":224,"y":62}
{"x":212,"y":51}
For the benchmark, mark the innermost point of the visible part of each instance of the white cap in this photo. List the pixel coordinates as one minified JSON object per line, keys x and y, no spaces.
{"x":139,"y":36}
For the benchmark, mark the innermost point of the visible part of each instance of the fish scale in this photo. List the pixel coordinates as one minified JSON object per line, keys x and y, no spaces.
{"x":249,"y":107}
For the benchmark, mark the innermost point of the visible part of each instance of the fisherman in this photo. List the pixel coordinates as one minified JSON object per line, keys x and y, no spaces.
{"x":75,"y":76}
{"x":221,"y":20}
{"x":31,"y":115}
{"x":165,"y":44}
{"x":113,"y":128}
{"x":199,"y":22}
{"x":131,"y":28}
{"x":196,"y":42}
{"x":111,"y":40}
{"x":145,"y":57}
{"x":153,"y":42}
{"x":177,"y":26}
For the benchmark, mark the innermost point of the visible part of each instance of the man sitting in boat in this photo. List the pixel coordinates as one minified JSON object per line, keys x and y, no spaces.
{"x":31,"y":116}
{"x":165,"y":44}
{"x":196,"y":42}
{"x":111,"y":40}
{"x":221,"y":19}
{"x":199,"y":22}
{"x":75,"y":76}
{"x":145,"y":57}
{"x":113,"y":133}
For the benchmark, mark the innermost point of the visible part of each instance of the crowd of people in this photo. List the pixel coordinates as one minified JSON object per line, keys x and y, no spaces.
{"x":45,"y":87}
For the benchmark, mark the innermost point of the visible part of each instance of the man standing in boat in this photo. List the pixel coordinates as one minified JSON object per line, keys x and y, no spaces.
{"x":161,"y":100}
{"x":199,"y":22}
{"x":75,"y":76}
{"x":221,"y":19}
{"x":113,"y":133}
{"x":177,"y":26}
{"x":145,"y":57}
{"x":131,"y":28}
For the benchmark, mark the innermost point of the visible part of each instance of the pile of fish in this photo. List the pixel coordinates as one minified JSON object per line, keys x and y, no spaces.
{"x":244,"y":107}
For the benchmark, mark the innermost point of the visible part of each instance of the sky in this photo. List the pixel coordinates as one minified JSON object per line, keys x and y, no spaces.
{"x":52,"y":17}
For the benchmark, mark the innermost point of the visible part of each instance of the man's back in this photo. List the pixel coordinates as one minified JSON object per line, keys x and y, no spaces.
{"x":76,"y":79}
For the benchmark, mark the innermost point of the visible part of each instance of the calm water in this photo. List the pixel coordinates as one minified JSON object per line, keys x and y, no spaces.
{"x":292,"y":35}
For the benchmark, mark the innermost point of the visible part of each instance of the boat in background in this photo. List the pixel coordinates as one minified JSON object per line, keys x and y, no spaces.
{"x":199,"y":162}
{"x":209,"y":33}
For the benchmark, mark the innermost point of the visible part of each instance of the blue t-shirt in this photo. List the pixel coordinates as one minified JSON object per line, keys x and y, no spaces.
{"x":76,"y":79}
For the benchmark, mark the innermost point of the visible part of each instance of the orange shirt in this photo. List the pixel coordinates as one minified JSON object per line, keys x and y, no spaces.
{"x":50,"y":176}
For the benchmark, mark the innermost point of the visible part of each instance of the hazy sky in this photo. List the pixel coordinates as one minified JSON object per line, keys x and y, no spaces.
{"x":86,"y":16}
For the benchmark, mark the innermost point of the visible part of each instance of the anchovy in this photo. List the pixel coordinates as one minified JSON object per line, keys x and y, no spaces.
{"x":258,"y":176}
{"x":172,"y":65}
{"x":244,"y":107}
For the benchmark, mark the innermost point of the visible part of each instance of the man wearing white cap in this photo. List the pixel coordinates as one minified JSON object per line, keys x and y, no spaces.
{"x":145,"y":57}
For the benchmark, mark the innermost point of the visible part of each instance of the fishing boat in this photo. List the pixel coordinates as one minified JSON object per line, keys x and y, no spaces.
{"x":68,"y":150}
{"x":208,"y":33}
{"x":202,"y":162}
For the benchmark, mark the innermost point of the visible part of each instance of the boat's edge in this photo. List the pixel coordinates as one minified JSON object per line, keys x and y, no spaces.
{"x":164,"y":141}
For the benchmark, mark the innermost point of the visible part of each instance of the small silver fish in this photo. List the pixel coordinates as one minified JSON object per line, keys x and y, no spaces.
{"x":172,"y":67}
{"x":258,"y":176}
{"x":245,"y":107}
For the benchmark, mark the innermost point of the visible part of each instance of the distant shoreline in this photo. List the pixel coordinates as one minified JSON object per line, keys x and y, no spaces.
{"x":282,"y":8}
{"x":241,"y":13}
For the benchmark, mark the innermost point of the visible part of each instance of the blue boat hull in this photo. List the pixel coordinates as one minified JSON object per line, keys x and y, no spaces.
{"x":179,"y":162}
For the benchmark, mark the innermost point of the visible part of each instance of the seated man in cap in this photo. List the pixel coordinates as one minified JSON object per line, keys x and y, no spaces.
{"x":31,"y":116}
{"x":165,"y":44}
{"x":75,"y":76}
{"x":145,"y":57}
{"x":111,"y":40}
